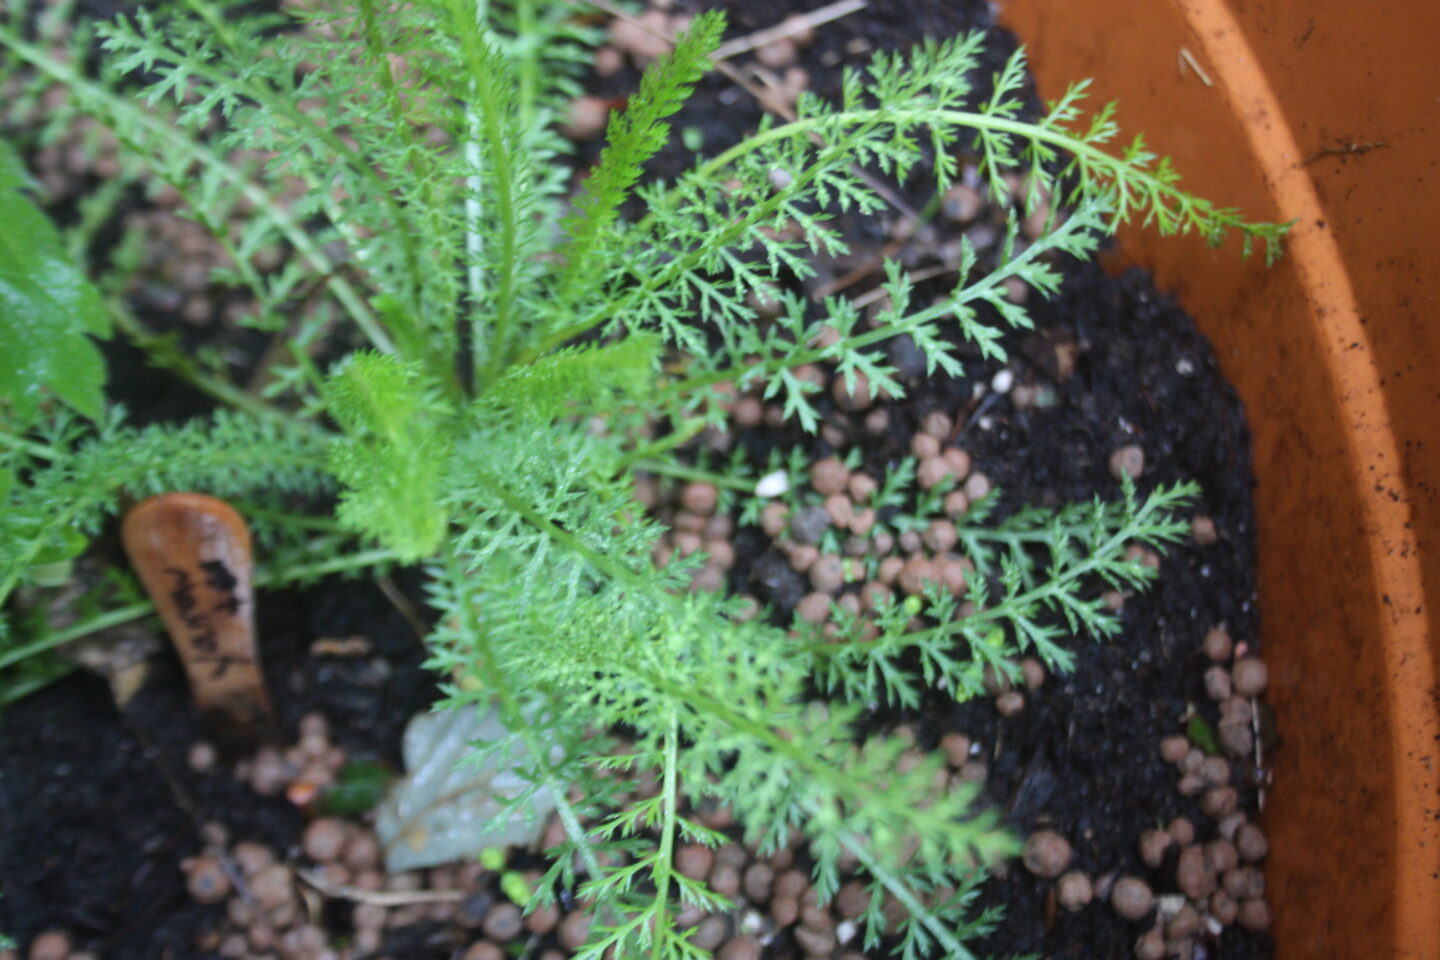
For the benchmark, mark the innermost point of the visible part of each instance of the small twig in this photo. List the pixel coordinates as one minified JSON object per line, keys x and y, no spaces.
{"x":384,"y":898}
{"x":1345,"y":149}
{"x":404,"y":606}
{"x":915,"y":276}
{"x":1188,"y":59}
{"x":788,"y":27}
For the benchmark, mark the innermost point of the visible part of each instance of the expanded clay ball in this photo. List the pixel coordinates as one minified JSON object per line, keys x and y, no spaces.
{"x":1195,"y":873}
{"x":1128,"y":461}
{"x":940,"y":535}
{"x":861,"y":487}
{"x":1185,"y":923}
{"x":1202,"y":531}
{"x":1182,"y":831}
{"x":741,"y":948}
{"x":1218,"y":802}
{"x":694,"y":861}
{"x":1010,"y":703}
{"x":205,"y":879}
{"x":957,"y":748}
{"x":1217,"y":644}
{"x":1150,"y":946}
{"x":503,"y":922}
{"x":1131,"y":898}
{"x":1254,"y":915}
{"x":1033,"y":671}
{"x":1223,"y":908}
{"x":852,"y":398}
{"x":1217,"y":683}
{"x":829,"y":476}
{"x":1153,"y":846}
{"x":1250,"y":843}
{"x":933,"y":471}
{"x":937,"y":424}
{"x":699,"y":497}
{"x":324,"y":839}
{"x":1046,"y":854}
{"x":1249,"y":675}
{"x":273,"y":886}
{"x":1174,"y":749}
{"x":924,"y":447}
{"x":1074,"y":890}
{"x":827,"y":573}
{"x":483,"y":950}
{"x":51,"y":945}
{"x":773,"y":518}
{"x":813,"y":607}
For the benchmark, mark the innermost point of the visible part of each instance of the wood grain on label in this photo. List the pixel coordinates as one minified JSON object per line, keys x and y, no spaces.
{"x":192,"y":553}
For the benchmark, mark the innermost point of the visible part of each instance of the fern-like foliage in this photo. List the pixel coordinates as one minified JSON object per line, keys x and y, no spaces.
{"x":511,"y":361}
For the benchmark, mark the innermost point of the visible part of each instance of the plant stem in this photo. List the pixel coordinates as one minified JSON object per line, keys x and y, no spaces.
{"x":695,"y":473}
{"x":665,"y":856}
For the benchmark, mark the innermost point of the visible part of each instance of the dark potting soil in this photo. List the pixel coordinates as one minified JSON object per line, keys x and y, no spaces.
{"x":97,"y":809}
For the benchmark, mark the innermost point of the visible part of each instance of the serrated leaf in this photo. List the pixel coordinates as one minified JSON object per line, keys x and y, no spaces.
{"x":47,"y":309}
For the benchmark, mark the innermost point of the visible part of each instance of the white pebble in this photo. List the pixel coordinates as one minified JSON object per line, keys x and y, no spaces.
{"x":773,"y":484}
{"x":1002,"y":381}
{"x":845,"y":930}
{"x":780,"y":178}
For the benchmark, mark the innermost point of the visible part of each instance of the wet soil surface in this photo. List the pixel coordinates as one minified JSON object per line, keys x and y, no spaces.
{"x":97,"y":809}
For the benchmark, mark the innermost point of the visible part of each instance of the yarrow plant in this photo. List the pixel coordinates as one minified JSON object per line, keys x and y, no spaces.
{"x":473,"y":365}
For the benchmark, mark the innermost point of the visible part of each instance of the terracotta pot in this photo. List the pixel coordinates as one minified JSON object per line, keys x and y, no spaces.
{"x":1323,"y":111}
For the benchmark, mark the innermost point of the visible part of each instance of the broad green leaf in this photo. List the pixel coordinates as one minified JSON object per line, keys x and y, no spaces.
{"x":47,"y":309}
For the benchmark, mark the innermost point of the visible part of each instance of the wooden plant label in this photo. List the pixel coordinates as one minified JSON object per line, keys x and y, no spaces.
{"x":192,"y":553}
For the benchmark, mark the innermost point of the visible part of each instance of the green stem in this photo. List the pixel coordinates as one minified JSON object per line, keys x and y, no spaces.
{"x":907,"y":897}
{"x":49,"y":641}
{"x":683,"y":472}
{"x":40,"y":450}
{"x":663,"y":860}
{"x":171,"y":358}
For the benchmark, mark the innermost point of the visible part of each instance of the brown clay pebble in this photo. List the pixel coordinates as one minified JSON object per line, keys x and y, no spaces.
{"x":1010,"y":703}
{"x":1229,"y":824}
{"x":816,"y":943}
{"x":741,"y":948}
{"x":504,"y":922}
{"x":1174,"y":749}
{"x":699,"y":497}
{"x":362,"y":852}
{"x":939,"y":536}
{"x":784,"y":910}
{"x":813,"y":607}
{"x":1046,"y":854}
{"x":827,"y":573}
{"x":1217,"y":683}
{"x":710,"y":932}
{"x":924,"y":447}
{"x":758,"y":882}
{"x":1128,"y":461}
{"x":1195,"y":874}
{"x":852,"y":397}
{"x":1218,"y":802}
{"x":1218,"y":645}
{"x":1214,"y":771}
{"x":1254,"y":915}
{"x":273,"y":886}
{"x":205,"y":879}
{"x":574,"y":930}
{"x":1153,"y":846}
{"x":852,"y":900}
{"x":956,"y":747}
{"x":1249,"y":677}
{"x":324,"y":839}
{"x":1250,"y":843}
{"x":1222,"y":855}
{"x":933,"y":471}
{"x":1222,"y":907}
{"x":586,"y":118}
{"x":829,"y":476}
{"x":1244,"y":883}
{"x":483,"y":950}
{"x":956,"y":503}
{"x":51,"y":945}
{"x":1184,"y":924}
{"x":252,"y":857}
{"x":1150,"y":946}
{"x":1202,"y":531}
{"x":1131,"y":898}
{"x":977,"y":486}
{"x":1074,"y":890}
{"x":1033,"y":672}
{"x":542,"y":920}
